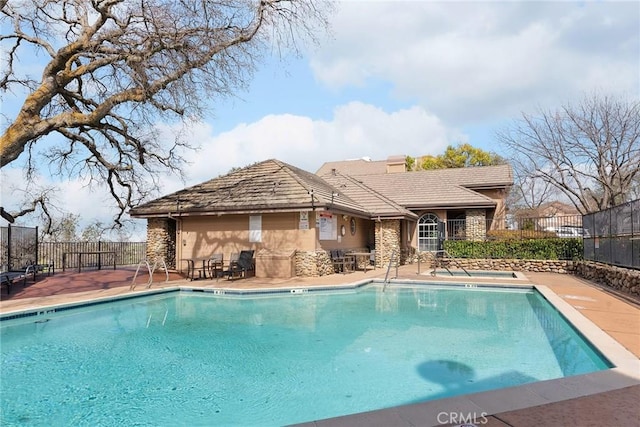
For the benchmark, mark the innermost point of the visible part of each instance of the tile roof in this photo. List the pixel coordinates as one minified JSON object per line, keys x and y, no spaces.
{"x":484,"y":176}
{"x":377,"y":204}
{"x":270,"y":185}
{"x":415,"y":190}
{"x":360,"y":187}
{"x":439,"y":188}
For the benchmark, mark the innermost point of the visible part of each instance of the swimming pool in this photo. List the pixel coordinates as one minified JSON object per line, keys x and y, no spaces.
{"x":273,"y":359}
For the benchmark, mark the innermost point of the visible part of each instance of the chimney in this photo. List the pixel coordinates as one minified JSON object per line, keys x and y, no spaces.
{"x":396,"y":164}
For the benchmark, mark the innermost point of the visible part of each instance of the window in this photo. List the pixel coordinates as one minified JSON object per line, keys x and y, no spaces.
{"x":428,"y":233}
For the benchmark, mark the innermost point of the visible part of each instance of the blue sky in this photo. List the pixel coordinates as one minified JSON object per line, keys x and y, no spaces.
{"x":403,"y":78}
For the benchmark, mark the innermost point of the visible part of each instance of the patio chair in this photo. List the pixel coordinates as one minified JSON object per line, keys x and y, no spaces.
{"x":243,"y":267}
{"x":342,"y":263}
{"x":47,"y":268}
{"x":216,"y":265}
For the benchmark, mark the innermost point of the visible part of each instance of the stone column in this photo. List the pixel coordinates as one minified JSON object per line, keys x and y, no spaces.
{"x":387,"y":239}
{"x":161,"y":240}
{"x":476,"y":221}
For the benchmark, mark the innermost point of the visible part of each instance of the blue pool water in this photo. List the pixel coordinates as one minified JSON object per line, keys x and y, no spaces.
{"x":186,"y":358}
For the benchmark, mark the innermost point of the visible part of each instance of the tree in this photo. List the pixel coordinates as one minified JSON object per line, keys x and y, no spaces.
{"x":64,"y":229}
{"x":115,"y":68}
{"x":94,"y":232}
{"x":589,"y":151}
{"x":461,"y":156}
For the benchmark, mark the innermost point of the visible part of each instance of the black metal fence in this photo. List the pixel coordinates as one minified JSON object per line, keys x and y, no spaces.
{"x":516,"y":227}
{"x":126,"y":253}
{"x":614,"y":235}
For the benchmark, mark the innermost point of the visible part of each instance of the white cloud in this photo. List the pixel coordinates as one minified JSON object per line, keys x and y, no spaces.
{"x":473,"y":61}
{"x":356,"y":130}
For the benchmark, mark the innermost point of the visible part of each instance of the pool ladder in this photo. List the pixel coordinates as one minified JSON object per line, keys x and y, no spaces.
{"x":164,"y":318}
{"x":437,"y":262}
{"x":394,"y":258}
{"x":159,"y":262}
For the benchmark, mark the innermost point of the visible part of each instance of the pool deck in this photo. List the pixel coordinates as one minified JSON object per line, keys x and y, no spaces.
{"x":610,"y":321}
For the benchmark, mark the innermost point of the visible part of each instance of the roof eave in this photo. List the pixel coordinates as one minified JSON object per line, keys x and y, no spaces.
{"x":453,"y":206}
{"x":250,"y":210}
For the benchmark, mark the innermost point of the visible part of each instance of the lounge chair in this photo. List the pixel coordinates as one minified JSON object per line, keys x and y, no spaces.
{"x":9,"y":278}
{"x":243,"y":267}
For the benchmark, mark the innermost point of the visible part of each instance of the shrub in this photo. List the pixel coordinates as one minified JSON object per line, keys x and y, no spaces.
{"x":546,"y":248}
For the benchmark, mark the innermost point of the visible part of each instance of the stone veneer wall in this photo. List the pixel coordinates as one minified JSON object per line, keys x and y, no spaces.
{"x":161,"y":243}
{"x":313,"y":264}
{"x":387,"y":237}
{"x":621,"y":279}
{"x":476,"y":224}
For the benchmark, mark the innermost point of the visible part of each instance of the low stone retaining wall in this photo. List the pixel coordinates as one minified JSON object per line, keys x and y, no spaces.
{"x":548,"y":266}
{"x":621,"y":279}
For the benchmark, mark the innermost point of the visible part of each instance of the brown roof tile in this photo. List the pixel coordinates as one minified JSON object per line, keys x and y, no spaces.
{"x":360,"y":187}
{"x":376,"y":203}
{"x":270,"y":185}
{"x":425,"y":189}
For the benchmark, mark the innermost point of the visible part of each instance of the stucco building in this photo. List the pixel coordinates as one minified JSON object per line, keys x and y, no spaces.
{"x":292,"y":218}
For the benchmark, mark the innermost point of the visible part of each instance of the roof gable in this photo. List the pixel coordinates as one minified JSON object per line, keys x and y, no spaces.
{"x":264,"y":186}
{"x":376,"y":203}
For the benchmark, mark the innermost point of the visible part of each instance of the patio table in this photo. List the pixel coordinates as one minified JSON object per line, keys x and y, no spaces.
{"x":191,"y":268}
{"x":362,"y":260}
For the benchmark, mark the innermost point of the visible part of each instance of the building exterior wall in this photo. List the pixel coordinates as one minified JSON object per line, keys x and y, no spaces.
{"x":360,"y":239}
{"x":199,"y":237}
{"x":499,"y":197}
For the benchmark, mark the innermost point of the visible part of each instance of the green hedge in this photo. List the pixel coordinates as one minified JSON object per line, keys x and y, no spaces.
{"x":563,"y":249}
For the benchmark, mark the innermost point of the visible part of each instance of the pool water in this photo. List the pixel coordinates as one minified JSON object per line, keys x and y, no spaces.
{"x":186,"y":358}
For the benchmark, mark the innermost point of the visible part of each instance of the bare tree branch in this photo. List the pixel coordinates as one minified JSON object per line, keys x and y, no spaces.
{"x":589,"y":151}
{"x":115,"y":68}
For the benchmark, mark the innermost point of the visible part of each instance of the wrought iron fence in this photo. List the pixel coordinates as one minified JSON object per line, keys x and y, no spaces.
{"x":516,"y":227}
{"x":614,"y":235}
{"x":126,"y":253}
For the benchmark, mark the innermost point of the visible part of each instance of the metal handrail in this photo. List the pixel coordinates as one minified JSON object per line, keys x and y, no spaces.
{"x":435,"y":264}
{"x":151,"y":270}
{"x":394,"y":255}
